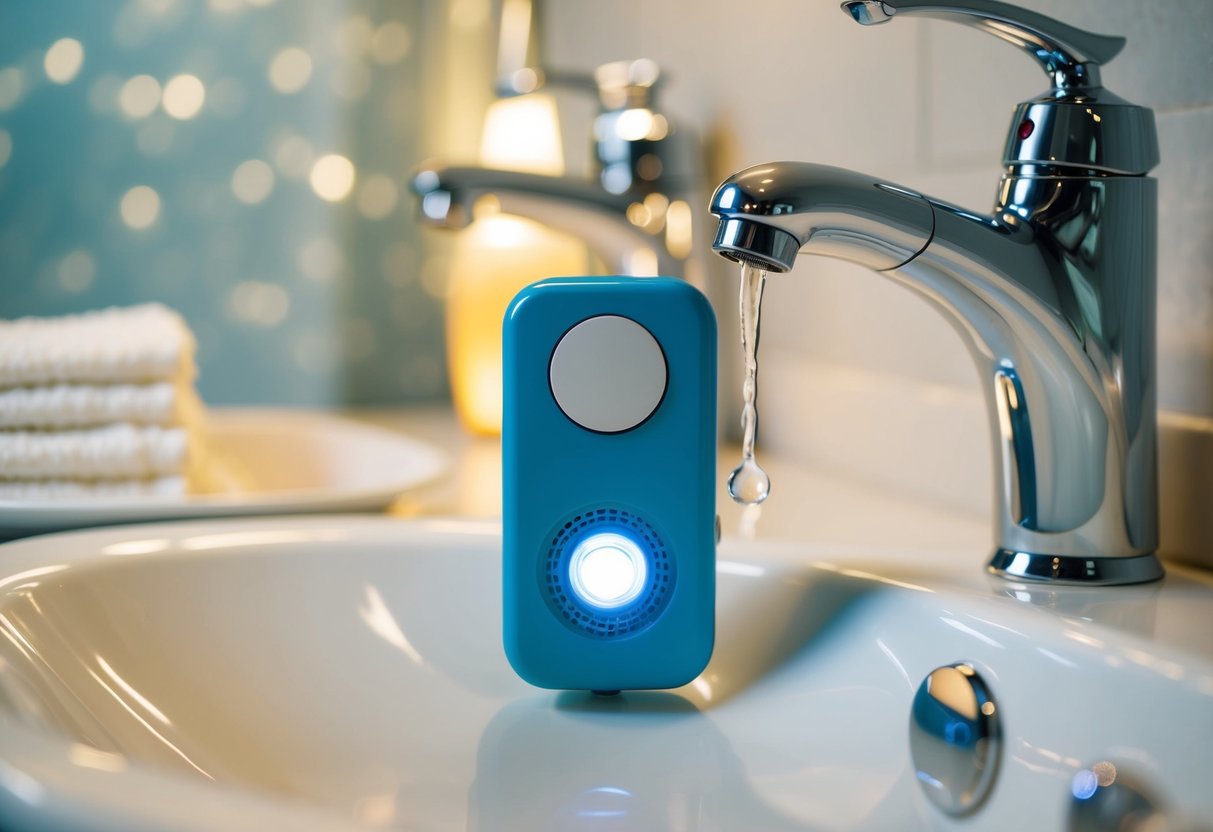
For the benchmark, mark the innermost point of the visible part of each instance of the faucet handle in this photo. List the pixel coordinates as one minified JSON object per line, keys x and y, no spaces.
{"x":634,"y":145}
{"x":1067,"y":54}
{"x":619,"y":85}
{"x":1077,"y":124}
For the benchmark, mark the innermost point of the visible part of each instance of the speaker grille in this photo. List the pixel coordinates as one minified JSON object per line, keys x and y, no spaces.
{"x":612,"y":623}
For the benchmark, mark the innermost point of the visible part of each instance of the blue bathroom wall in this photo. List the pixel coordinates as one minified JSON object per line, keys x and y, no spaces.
{"x":200,"y":154}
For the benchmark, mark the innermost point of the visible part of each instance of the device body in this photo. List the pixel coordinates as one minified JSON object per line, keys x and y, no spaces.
{"x":609,"y":443}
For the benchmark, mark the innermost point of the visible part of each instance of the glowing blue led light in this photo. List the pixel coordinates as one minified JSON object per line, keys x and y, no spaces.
{"x":608,"y":570}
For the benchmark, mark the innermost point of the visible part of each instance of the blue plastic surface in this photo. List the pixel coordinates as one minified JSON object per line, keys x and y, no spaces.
{"x":654,"y":483}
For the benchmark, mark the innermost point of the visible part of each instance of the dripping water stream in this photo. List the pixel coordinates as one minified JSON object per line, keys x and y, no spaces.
{"x":749,"y":484}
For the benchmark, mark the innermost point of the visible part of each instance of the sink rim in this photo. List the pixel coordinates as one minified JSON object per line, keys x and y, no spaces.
{"x":73,"y":788}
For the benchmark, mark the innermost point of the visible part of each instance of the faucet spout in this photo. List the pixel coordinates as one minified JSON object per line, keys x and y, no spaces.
{"x":1054,"y":296}
{"x":770,"y":213}
{"x":450,"y":196}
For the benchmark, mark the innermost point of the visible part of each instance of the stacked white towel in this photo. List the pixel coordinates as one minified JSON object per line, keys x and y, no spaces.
{"x":99,"y":404}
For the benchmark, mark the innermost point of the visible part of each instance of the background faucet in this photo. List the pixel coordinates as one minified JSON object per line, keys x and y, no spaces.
{"x":1053,"y":293}
{"x":635,"y":214}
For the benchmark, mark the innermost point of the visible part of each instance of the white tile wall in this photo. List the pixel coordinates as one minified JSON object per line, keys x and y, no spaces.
{"x":1185,"y":259}
{"x":927,"y":104}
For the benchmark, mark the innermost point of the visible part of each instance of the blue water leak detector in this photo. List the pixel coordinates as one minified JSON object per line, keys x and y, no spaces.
{"x":609,"y":458}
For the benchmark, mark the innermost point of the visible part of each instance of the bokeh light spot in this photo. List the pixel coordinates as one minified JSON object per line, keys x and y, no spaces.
{"x":353,"y":37}
{"x":12,"y":86}
{"x":1084,"y":784}
{"x":63,"y":60}
{"x":332,"y":177}
{"x":290,"y":70}
{"x":6,"y":147}
{"x":316,"y":351}
{"x":391,"y":43}
{"x":139,"y":96}
{"x":258,"y":303}
{"x":184,"y":96}
{"x":352,"y":80}
{"x":161,"y":7}
{"x":377,"y":196}
{"x":252,"y":181}
{"x":1105,"y":773}
{"x":294,"y":156}
{"x":320,"y":259}
{"x":76,"y":271}
{"x":140,"y":207}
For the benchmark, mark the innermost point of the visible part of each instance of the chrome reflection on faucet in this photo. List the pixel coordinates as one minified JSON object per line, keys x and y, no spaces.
{"x":1053,"y":293}
{"x":640,"y":200}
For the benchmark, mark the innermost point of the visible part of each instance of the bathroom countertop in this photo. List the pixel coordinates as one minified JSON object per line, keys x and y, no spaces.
{"x":805,"y":504}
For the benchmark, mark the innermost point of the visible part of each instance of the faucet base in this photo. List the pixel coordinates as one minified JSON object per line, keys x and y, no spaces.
{"x":1069,"y":569}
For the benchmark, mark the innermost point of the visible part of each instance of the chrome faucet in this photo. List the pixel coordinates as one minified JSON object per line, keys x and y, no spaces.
{"x":1053,"y":293}
{"x":635,"y":215}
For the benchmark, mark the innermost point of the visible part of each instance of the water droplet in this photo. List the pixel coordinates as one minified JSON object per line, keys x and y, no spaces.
{"x":748,"y":483}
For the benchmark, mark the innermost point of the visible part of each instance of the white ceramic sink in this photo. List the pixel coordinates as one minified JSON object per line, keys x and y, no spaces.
{"x":347,"y":673}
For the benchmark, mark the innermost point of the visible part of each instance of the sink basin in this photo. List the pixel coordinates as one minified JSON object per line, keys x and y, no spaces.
{"x":347,"y":673}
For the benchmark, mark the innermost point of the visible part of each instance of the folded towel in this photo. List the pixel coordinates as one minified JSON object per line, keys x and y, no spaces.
{"x":120,"y":345}
{"x":68,"y":489}
{"x":110,"y":452}
{"x":87,"y":405}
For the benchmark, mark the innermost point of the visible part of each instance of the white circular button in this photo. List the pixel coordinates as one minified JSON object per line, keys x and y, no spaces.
{"x":608,"y":374}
